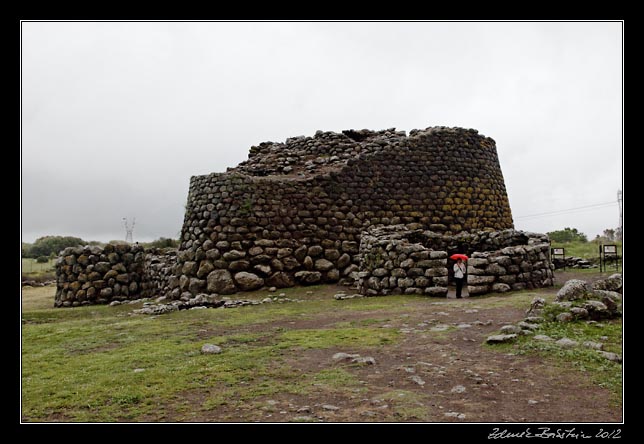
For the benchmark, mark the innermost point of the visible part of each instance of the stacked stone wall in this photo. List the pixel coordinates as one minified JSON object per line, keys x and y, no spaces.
{"x":391,"y":264}
{"x":95,"y":275}
{"x":406,"y":259}
{"x":294,"y":212}
{"x":512,"y":268}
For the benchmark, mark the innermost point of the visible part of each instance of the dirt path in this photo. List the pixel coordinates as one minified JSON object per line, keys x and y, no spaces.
{"x":439,"y":371}
{"x":431,"y":363}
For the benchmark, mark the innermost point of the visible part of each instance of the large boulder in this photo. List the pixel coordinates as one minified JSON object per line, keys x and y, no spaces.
{"x":477,"y":289}
{"x":323,"y":265}
{"x":479,"y":280}
{"x":248,"y":281}
{"x":308,"y":277}
{"x":597,"y":310}
{"x":204,"y":269}
{"x":280,"y":280}
{"x":611,"y":302}
{"x":573,"y":290}
{"x":220,"y":281}
{"x":196,"y":285}
{"x":500,"y":288}
{"x":612,"y":283}
{"x":102,"y":267}
{"x":189,"y":268}
{"x":601,"y":294}
{"x":499,"y":339}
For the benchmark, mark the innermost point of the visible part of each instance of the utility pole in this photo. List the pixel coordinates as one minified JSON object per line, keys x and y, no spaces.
{"x":128,"y":229}
{"x":620,"y":200}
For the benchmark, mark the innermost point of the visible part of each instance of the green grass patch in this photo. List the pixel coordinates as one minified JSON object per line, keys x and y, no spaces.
{"x":335,"y":378}
{"x":360,"y":323}
{"x":78,"y":364}
{"x":38,"y":298}
{"x":337,"y":337}
{"x":32,"y":269}
{"x":586,"y":250}
{"x":517,"y":299}
{"x":589,"y":362}
{"x":406,"y":405}
{"x":104,"y":364}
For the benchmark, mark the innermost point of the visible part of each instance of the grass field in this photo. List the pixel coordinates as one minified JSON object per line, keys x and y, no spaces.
{"x":586,"y":250}
{"x":103,"y":364}
{"x":32,"y":268}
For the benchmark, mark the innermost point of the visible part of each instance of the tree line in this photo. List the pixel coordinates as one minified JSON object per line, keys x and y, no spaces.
{"x":573,"y":235}
{"x":49,"y":246}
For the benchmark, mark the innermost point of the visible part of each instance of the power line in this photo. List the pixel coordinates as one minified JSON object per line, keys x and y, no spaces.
{"x":568,"y":210}
{"x":565,"y":213}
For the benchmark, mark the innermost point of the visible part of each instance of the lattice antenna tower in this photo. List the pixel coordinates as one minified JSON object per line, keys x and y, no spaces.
{"x":129,"y":228}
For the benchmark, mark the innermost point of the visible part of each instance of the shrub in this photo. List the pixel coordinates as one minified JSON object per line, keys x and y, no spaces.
{"x":567,"y":235}
{"x":47,"y":245}
{"x":42,"y":259}
{"x":163,"y":242}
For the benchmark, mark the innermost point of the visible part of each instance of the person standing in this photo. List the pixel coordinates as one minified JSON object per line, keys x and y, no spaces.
{"x":459,"y":276}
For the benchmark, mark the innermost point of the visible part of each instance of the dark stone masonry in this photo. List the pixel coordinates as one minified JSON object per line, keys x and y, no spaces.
{"x":294,"y":213}
{"x":95,"y":275}
{"x":407,"y":259}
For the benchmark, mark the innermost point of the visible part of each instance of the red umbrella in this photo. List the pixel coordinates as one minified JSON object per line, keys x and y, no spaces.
{"x":459,"y":256}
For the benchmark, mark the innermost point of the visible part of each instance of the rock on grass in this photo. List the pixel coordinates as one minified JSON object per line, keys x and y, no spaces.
{"x":611,"y":356}
{"x":499,"y":339}
{"x":210,"y":349}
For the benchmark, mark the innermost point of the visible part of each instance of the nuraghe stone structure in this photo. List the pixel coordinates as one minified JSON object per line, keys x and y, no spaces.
{"x":296,"y":213}
{"x":293,"y":213}
{"x":396,"y":259}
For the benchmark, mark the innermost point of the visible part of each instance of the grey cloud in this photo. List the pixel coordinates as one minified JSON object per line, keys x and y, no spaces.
{"x":117,"y":116}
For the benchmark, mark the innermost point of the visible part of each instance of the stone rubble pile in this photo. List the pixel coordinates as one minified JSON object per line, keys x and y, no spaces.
{"x":577,"y":300}
{"x":163,"y":306}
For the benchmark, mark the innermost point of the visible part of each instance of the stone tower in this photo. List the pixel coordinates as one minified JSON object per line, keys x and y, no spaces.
{"x":293,"y":213}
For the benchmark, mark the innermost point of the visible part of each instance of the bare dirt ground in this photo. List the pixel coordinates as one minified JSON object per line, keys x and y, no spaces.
{"x":440,"y":371}
{"x":434,"y":365}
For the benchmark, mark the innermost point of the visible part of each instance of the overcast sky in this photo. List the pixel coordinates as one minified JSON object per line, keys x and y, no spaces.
{"x":116,"y":117}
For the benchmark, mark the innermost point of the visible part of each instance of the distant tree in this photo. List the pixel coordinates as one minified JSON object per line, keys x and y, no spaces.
{"x":45,"y":246}
{"x":25,"y":249}
{"x":163,"y":242}
{"x":609,"y":234}
{"x":42,"y":259}
{"x":567,"y":235}
{"x":118,"y":242}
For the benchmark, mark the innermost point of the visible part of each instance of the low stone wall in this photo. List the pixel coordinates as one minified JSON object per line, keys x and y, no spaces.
{"x":407,"y":259}
{"x":511,"y":268}
{"x":575,"y":262}
{"x":390,"y":264}
{"x":227,"y":267}
{"x":393,"y":259}
{"x":95,"y":275}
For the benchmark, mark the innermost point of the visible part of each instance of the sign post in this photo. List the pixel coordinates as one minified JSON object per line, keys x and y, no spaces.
{"x":607,"y":253}
{"x":558,"y":253}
